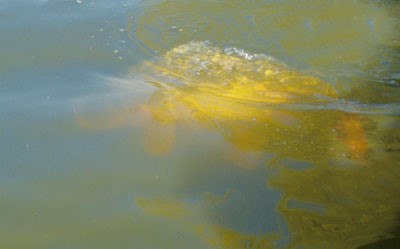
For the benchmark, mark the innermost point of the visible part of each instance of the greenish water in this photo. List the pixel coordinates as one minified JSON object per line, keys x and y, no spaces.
{"x":199,"y":124}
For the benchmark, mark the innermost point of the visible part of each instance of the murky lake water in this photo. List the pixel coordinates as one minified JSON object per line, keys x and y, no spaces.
{"x":199,"y":124}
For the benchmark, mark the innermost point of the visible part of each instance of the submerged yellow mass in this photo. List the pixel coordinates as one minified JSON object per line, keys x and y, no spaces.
{"x":250,"y":99}
{"x":203,"y":70}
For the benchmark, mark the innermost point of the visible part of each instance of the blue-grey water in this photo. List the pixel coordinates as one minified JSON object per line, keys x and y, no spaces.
{"x":92,"y":155}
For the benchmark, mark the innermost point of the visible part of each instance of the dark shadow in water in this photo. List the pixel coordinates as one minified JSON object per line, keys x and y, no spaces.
{"x":389,"y":243}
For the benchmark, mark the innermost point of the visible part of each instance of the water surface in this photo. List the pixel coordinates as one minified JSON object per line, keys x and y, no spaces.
{"x":199,"y":124}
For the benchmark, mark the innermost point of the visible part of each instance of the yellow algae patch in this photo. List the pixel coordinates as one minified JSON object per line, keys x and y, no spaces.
{"x":225,"y":238}
{"x":358,"y":205}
